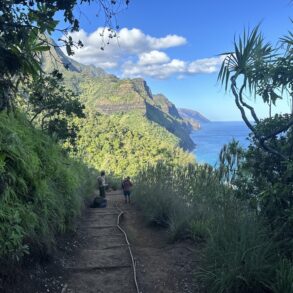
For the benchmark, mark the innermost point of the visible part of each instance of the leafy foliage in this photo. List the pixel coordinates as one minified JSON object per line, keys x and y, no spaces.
{"x":23,"y":25}
{"x":264,"y":175}
{"x":41,"y":189}
{"x":265,"y":72}
{"x":125,"y":143}
{"x":52,"y":106}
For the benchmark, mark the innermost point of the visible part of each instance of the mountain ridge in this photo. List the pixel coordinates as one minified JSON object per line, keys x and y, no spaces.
{"x":193,"y":114}
{"x":107,"y":94}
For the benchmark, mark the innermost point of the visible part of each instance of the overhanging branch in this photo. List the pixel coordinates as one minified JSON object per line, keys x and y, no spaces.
{"x":253,"y":114}
{"x":261,"y":140}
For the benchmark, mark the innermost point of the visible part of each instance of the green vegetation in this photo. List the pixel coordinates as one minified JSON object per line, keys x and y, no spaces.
{"x":168,"y":196}
{"x":109,"y":95}
{"x":125,"y":143}
{"x":243,"y":210}
{"x":41,"y":189}
{"x":41,"y":186}
{"x":193,"y":202}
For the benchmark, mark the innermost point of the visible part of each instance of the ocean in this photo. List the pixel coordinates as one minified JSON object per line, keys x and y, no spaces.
{"x":213,"y":135}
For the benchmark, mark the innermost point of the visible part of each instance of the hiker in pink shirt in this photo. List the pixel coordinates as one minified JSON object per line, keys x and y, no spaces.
{"x":126,"y":186}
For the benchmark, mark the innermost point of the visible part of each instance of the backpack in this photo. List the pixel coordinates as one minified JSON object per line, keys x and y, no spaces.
{"x":99,"y":202}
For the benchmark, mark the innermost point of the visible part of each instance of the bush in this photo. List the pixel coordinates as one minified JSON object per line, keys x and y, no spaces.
{"x":240,"y":254}
{"x":284,"y":277}
{"x":174,"y":197}
{"x":41,"y":189}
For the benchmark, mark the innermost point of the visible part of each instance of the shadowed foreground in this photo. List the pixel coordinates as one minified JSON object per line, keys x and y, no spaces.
{"x":102,"y":263}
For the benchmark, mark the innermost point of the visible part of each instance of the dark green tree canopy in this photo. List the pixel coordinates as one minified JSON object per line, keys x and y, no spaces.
{"x":23,"y":26}
{"x":49,"y":104}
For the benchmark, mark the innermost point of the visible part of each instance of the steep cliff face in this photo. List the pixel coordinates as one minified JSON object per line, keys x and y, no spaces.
{"x":107,"y":94}
{"x":193,"y":115}
{"x":56,"y":59}
{"x":166,"y":106}
{"x":110,"y":95}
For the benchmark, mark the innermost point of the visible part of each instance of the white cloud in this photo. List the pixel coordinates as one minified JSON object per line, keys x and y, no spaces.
{"x":153,"y":57}
{"x":136,"y":54}
{"x":136,"y":41}
{"x":206,"y":65}
{"x":172,"y":67}
{"x":160,"y":71}
{"x":166,"y":42}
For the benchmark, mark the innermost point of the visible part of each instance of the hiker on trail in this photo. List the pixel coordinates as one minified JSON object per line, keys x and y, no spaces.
{"x":102,"y":184}
{"x":126,"y":186}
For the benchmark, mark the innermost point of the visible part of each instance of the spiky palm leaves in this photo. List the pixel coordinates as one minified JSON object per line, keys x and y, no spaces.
{"x":264,"y":71}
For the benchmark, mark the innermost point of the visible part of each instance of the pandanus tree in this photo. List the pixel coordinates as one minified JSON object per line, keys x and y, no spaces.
{"x":263,"y":72}
{"x":258,"y":70}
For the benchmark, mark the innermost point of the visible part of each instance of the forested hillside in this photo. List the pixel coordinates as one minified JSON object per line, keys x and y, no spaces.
{"x":107,"y":94}
{"x":125,"y":143}
{"x":126,"y":127}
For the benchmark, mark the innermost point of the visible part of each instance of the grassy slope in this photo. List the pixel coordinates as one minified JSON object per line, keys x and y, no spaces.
{"x":240,"y":255}
{"x":41,"y":189}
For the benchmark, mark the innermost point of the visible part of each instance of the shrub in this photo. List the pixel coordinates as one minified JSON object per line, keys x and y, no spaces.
{"x":284,"y":277}
{"x":239,"y":256}
{"x":174,"y":197}
{"x":41,"y":189}
{"x":194,"y":201}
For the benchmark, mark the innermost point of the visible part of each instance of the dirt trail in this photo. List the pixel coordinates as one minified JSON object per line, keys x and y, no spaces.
{"x":102,"y":262}
{"x":95,"y":258}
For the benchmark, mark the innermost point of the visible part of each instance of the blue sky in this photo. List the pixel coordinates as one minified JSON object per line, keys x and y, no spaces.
{"x":174,"y":46}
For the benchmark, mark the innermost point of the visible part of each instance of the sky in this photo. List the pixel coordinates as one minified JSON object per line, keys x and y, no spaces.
{"x":176,"y":45}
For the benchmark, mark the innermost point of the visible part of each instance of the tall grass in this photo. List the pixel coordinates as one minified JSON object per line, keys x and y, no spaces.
{"x":41,"y":189}
{"x":180,"y":198}
{"x":193,"y":201}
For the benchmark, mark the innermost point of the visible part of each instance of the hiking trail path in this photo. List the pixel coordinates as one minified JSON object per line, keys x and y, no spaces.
{"x":102,"y":264}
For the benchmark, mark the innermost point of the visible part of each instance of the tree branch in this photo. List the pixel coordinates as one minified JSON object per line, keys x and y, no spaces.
{"x":253,"y":114}
{"x":279,"y":130}
{"x":239,"y":105}
{"x":249,"y":125}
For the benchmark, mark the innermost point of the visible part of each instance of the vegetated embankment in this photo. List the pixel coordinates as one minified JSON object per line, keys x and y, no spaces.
{"x":194,"y":202}
{"x":41,"y":193}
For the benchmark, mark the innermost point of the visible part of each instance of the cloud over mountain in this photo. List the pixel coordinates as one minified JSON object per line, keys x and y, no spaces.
{"x":136,"y":54}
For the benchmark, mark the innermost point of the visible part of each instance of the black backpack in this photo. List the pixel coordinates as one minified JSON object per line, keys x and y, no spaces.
{"x":99,"y":202}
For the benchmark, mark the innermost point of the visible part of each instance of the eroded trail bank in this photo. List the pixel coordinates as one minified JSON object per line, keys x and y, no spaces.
{"x":96,"y":258}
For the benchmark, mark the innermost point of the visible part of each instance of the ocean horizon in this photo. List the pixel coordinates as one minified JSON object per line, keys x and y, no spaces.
{"x":214,"y":135}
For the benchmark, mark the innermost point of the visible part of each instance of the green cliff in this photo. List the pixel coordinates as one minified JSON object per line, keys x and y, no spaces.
{"x":107,"y":94}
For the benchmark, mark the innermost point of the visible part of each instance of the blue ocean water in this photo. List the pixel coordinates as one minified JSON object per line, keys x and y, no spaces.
{"x":212,"y":136}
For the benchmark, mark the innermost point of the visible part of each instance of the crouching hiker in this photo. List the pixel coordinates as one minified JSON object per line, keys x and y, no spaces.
{"x":126,"y":186}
